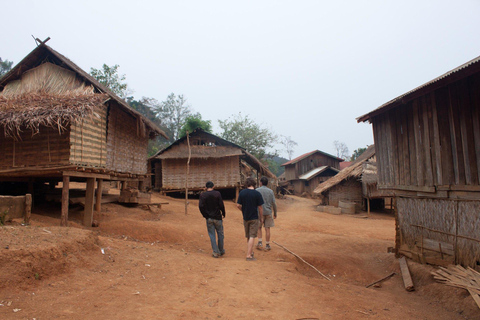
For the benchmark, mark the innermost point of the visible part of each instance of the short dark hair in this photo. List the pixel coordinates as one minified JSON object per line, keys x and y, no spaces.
{"x":264,"y":181}
{"x":209,"y":184}
{"x":250,"y":182}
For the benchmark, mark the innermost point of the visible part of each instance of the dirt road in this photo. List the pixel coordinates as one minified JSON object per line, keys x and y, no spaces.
{"x":143,"y":265}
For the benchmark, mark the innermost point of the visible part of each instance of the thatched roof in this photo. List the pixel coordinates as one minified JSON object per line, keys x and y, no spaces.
{"x":210,"y":146}
{"x":64,"y":93}
{"x":355,"y":170}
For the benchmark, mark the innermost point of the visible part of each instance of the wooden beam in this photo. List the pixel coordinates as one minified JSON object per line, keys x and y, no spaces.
{"x":409,"y":188}
{"x":79,"y":174}
{"x":28,"y":207}
{"x":65,"y":191}
{"x":98,"y":200}
{"x":89,"y":199}
{"x":407,"y":278}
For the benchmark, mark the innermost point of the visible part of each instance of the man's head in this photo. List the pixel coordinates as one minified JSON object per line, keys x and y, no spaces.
{"x":250,"y":182}
{"x":264,"y":181}
{"x":209,"y":185}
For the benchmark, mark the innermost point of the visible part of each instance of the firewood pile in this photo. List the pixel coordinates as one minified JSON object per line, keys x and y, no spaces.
{"x":457,"y":276}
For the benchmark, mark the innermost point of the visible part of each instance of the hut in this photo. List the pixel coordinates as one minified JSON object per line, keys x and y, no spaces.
{"x":59,"y":124}
{"x":305,"y":172}
{"x":356,"y":184}
{"x":211,"y":158}
{"x":428,"y":153}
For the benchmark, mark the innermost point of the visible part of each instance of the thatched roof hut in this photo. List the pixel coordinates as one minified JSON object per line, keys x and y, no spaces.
{"x":57,"y":121}
{"x":212,"y":158}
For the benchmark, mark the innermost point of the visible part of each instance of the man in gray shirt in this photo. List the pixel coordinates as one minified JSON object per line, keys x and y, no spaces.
{"x":268,"y":205}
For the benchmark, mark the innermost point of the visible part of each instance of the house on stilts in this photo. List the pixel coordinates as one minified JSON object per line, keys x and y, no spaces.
{"x":59,"y":124}
{"x":428,"y":153}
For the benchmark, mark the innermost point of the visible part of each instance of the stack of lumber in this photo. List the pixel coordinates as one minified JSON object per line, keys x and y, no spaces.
{"x":134,"y":196}
{"x":457,"y":276}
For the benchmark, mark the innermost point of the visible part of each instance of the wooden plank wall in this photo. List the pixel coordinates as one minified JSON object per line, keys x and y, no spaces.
{"x":48,"y":147}
{"x":433,"y":140}
{"x":314,"y":161}
{"x":88,"y":140}
{"x":224,"y":172}
{"x":126,"y":147}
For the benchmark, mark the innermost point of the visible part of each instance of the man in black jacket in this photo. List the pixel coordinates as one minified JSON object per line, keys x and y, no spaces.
{"x":212,"y":208}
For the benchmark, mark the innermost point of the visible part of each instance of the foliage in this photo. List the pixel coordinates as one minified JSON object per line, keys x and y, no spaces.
{"x":248,"y":134}
{"x":341,"y":150}
{"x":173,"y":113}
{"x":194,"y":122}
{"x":289,"y":145}
{"x":109,"y":77}
{"x":357,"y":153}
{"x":5,"y":66}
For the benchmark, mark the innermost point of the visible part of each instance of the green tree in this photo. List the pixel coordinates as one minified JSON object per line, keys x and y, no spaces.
{"x":357,"y":153}
{"x":194,"y":122}
{"x":249,"y":135}
{"x":109,"y":77}
{"x":173,"y":113}
{"x":5,"y":66}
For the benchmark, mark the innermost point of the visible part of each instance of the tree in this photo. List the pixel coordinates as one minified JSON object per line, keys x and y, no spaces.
{"x":5,"y":66}
{"x":109,"y":77}
{"x":341,"y":149}
{"x":194,"y":122}
{"x":249,"y":135}
{"x":173,"y":113}
{"x":357,"y":153}
{"x":289,"y":145}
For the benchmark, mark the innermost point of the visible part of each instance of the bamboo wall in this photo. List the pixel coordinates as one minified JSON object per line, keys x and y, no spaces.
{"x":45,"y":148}
{"x":224,"y":172}
{"x":433,"y":140}
{"x":349,"y":190}
{"x":126,"y":145}
{"x":88,"y":140}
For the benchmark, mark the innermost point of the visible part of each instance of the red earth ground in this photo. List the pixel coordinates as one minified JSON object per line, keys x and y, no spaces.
{"x":140,"y":264}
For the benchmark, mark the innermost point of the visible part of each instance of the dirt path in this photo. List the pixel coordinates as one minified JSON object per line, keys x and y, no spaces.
{"x":159,"y":266}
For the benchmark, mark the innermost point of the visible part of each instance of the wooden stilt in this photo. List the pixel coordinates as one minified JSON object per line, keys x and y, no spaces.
{"x":65,"y":189}
{"x":28,"y":207}
{"x":89,"y":197}
{"x":237,"y":191}
{"x":98,"y":200}
{"x":368,"y":207}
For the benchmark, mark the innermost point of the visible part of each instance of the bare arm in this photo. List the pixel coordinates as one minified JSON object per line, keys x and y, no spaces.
{"x":239,"y":206}
{"x":260,"y":213}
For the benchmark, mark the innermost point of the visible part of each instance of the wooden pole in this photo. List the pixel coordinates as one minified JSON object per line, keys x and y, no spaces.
{"x":28,"y":207}
{"x":188,"y":172}
{"x":98,"y":200}
{"x":383,"y":279}
{"x":89,"y":198}
{"x":368,"y":207}
{"x":65,"y":191}
{"x":407,"y":278}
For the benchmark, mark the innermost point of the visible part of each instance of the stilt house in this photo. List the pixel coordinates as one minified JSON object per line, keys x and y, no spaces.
{"x":59,"y":123}
{"x":428,"y":152}
{"x":211,"y":158}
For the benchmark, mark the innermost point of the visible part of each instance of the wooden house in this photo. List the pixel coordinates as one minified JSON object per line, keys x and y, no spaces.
{"x":58,"y":123}
{"x":305,"y":172}
{"x":211,"y":158}
{"x":428,"y":152}
{"x":356,"y":183}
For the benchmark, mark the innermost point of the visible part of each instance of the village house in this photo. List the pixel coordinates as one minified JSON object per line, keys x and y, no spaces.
{"x":211,"y":158}
{"x":59,"y":124}
{"x":304,"y":173}
{"x":428,"y":153}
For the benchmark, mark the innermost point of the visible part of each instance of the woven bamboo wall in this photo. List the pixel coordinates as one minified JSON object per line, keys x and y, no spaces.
{"x":224,"y":172}
{"x":88,"y":139}
{"x":453,"y":221}
{"x":126,"y":145}
{"x":45,"y":148}
{"x":348,"y":190}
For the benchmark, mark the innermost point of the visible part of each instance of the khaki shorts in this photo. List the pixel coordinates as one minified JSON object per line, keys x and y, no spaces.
{"x":268,"y":221}
{"x":251,"y":228}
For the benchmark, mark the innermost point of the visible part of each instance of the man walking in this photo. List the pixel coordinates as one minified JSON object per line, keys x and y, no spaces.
{"x":268,"y":205}
{"x":250,"y":202}
{"x":212,"y":208}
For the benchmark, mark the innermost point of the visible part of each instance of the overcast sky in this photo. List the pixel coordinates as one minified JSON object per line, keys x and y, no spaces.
{"x":304,"y":69}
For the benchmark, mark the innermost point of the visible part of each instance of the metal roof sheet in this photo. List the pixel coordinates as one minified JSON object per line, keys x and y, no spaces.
{"x":312,"y":173}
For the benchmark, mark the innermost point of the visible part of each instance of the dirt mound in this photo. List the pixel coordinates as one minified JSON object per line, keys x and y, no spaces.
{"x":33,"y":253}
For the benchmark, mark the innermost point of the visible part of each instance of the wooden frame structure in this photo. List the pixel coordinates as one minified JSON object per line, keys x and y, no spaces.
{"x":60,"y":124}
{"x":428,"y":153}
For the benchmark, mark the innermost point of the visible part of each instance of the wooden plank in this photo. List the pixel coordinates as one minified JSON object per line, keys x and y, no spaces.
{"x":80,"y":174}
{"x":407,"y":278}
{"x":397,"y":146}
{"x":89,"y":199}
{"x":98,"y":200}
{"x":420,"y":160}
{"x":65,"y":194}
{"x":412,"y":149}
{"x":474,"y":88}
{"x":434,"y":245}
{"x":410,"y":188}
{"x":436,"y":141}
{"x":426,"y":143}
{"x":465,"y":118}
{"x":405,"y":156}
{"x":455,"y":136}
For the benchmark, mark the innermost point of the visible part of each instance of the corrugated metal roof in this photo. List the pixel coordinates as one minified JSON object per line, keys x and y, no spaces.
{"x":312,"y":173}
{"x":404,"y":97}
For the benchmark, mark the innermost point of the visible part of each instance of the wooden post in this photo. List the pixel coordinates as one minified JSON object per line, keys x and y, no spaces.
{"x":237,"y":191}
{"x":65,"y":191}
{"x":98,"y":200}
{"x":89,"y":197}
{"x":368,"y":207}
{"x":186,"y":176}
{"x":28,"y":207}
{"x":141,"y":185}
